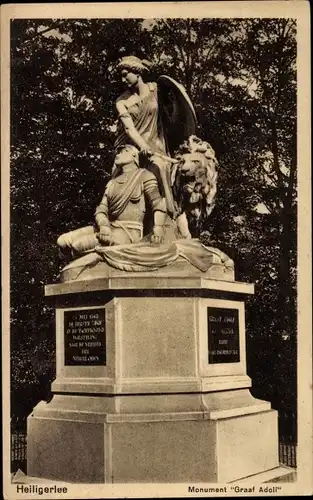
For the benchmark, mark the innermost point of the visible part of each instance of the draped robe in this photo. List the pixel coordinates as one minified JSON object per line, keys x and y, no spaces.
{"x":146,"y":116}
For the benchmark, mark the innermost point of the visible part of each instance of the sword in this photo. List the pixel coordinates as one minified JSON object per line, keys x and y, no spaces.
{"x":165,"y":157}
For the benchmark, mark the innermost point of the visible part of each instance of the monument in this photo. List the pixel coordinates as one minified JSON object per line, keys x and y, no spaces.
{"x":151,"y":382}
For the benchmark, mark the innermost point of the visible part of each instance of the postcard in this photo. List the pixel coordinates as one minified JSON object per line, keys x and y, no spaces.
{"x":156,"y":250}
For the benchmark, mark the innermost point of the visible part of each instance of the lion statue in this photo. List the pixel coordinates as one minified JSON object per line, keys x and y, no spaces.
{"x":194,"y":184}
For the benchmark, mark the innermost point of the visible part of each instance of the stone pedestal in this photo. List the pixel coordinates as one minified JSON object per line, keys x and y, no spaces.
{"x":151,"y":385}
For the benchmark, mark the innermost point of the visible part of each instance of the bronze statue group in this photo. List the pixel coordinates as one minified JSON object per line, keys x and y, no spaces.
{"x":162,"y":174}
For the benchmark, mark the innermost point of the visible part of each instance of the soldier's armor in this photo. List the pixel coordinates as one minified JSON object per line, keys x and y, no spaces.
{"x":123,"y":206}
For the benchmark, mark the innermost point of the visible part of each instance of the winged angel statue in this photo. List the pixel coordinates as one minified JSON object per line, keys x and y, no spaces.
{"x":162,"y":175}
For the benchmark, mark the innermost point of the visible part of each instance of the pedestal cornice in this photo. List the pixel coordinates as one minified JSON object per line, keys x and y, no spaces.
{"x":143,"y":282}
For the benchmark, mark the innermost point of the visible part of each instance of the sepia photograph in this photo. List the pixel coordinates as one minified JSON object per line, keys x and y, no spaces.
{"x":156,"y":250}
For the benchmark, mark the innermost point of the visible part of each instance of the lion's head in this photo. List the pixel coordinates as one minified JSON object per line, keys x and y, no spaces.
{"x":195,"y":179}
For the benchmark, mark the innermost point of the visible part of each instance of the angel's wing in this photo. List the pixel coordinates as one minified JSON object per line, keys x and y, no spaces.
{"x":176,"y":111}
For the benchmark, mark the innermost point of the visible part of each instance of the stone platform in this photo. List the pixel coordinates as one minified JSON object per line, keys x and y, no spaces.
{"x":151,"y":385}
{"x":281,"y":474}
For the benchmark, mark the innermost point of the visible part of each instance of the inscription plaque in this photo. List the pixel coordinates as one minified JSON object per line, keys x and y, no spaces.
{"x":84,"y":337}
{"x":223,"y":335}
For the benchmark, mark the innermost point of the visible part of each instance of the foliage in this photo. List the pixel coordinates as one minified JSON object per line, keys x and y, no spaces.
{"x":241,"y":77}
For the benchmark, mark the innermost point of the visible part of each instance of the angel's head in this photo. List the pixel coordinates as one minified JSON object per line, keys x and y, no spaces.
{"x":131,"y":69}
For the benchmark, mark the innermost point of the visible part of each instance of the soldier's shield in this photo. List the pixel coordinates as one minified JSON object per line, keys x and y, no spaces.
{"x":177,"y":113}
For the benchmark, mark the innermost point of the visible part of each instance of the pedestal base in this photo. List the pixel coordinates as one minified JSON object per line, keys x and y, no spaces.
{"x":76,"y":439}
{"x":151,"y":385}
